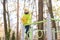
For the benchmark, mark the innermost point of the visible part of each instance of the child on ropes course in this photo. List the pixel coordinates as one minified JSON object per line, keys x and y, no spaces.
{"x":26,"y":20}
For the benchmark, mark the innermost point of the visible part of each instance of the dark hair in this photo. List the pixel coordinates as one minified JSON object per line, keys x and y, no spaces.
{"x":26,"y":12}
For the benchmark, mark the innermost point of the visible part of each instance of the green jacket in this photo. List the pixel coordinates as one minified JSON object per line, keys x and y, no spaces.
{"x":28,"y":18}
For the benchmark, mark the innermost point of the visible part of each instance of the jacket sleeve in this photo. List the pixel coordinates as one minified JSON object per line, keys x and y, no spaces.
{"x":29,"y":19}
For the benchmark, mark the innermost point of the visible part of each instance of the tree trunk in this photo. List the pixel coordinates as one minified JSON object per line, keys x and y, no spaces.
{"x":8,"y":28}
{"x":40,"y":18}
{"x":17,"y":19}
{"x":4,"y":17}
{"x":51,"y":14}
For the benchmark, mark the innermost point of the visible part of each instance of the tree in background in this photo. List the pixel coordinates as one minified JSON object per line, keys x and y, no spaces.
{"x":17,"y":19}
{"x":52,"y":16}
{"x":40,"y":18}
{"x":13,"y":36}
{"x":6,"y":25}
{"x":4,"y":17}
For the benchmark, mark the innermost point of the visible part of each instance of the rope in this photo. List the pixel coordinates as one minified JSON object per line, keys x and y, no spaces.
{"x":39,"y":22}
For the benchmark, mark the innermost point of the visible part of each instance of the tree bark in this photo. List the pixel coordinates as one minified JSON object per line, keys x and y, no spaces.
{"x":17,"y":19}
{"x":8,"y":28}
{"x":40,"y":18}
{"x":4,"y":17}
{"x":51,"y":14}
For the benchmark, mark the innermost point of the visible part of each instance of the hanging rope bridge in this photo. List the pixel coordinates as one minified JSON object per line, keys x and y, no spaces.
{"x":39,"y":22}
{"x":52,"y":19}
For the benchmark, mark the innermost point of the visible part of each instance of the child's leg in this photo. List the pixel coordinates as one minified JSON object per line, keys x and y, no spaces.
{"x":27,"y":29}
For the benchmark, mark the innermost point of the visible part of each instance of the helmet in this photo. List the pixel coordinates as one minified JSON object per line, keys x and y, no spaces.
{"x":26,"y":9}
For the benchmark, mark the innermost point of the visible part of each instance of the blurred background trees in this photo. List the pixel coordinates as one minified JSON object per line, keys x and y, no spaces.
{"x":12,"y":10}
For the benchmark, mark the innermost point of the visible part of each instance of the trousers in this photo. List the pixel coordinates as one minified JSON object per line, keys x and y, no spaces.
{"x":27,"y":29}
